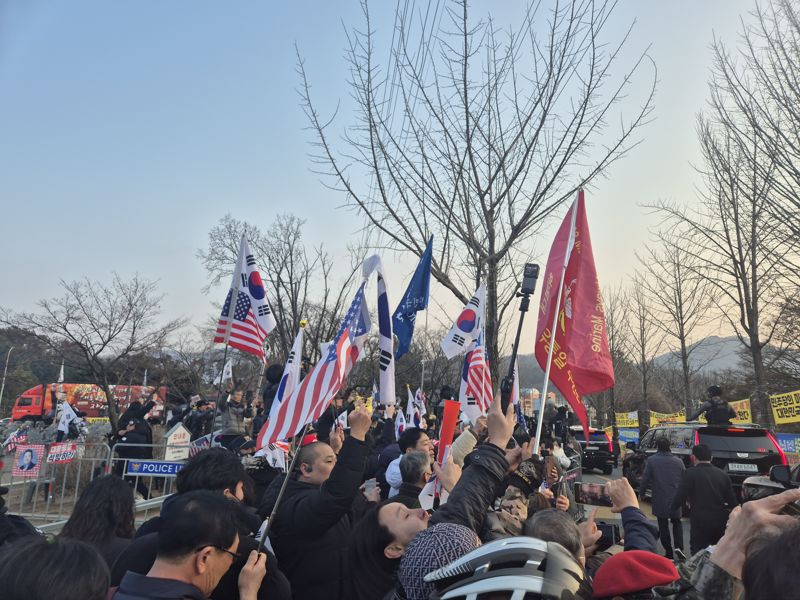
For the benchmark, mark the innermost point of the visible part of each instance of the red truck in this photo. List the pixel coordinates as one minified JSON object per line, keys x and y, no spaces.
{"x":37,"y":403}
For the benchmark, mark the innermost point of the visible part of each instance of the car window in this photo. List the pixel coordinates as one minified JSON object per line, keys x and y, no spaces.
{"x":647,"y":440}
{"x":746,"y":441}
{"x":680,"y":438}
{"x":24,"y":402}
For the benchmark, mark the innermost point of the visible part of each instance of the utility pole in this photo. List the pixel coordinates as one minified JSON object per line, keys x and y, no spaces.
{"x":5,"y":370}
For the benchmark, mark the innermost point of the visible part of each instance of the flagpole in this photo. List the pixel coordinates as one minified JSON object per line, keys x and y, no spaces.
{"x":271,"y":517}
{"x":543,"y":400}
{"x":219,"y":393}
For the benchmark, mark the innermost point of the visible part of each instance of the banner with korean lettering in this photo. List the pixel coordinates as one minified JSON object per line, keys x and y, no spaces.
{"x":790,"y":444}
{"x":676,"y":417}
{"x":786,"y":407}
{"x":627,"y":419}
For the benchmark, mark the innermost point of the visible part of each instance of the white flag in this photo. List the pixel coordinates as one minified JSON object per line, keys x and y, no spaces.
{"x":412,"y":412}
{"x":61,"y":373}
{"x":467,"y":327}
{"x":515,"y":389}
{"x":341,"y":421}
{"x":67,"y":416}
{"x":385,"y":337}
{"x":226,"y":375}
{"x":399,"y":424}
{"x":60,"y":390}
{"x":144,"y":379}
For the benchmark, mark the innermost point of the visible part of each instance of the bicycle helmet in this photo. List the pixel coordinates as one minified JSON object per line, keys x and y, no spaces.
{"x":518,"y":567}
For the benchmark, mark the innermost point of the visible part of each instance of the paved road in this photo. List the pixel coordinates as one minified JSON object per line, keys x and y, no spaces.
{"x":605,"y":514}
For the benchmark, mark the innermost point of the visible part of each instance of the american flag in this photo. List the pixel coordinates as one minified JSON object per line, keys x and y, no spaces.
{"x":245,"y":325}
{"x":315,"y":392}
{"x":20,"y":436}
{"x":199,"y":445}
{"x":479,"y":379}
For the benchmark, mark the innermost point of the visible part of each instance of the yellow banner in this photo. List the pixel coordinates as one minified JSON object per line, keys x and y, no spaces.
{"x":786,"y":407}
{"x":657,"y":417}
{"x":628,"y":419}
{"x":96,"y":419}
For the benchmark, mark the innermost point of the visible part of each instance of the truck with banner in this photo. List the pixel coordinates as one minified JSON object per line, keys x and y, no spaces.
{"x":37,"y":403}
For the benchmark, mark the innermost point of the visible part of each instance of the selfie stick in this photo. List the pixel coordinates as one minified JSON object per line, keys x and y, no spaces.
{"x":527,"y":288}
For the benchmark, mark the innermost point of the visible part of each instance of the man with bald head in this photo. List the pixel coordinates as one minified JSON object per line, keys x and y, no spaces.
{"x":314,"y":519}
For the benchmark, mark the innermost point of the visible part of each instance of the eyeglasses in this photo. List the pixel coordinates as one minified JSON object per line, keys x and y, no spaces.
{"x":236,"y":556}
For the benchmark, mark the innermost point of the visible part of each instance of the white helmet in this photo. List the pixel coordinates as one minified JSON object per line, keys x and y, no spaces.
{"x":525,"y":567}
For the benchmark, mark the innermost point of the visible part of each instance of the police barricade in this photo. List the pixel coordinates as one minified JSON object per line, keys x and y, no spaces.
{"x":45,"y":479}
{"x":150,"y":469}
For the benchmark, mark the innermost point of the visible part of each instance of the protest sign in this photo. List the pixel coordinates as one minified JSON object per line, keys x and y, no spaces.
{"x":786,"y":407}
{"x":62,"y":453}
{"x":28,"y":460}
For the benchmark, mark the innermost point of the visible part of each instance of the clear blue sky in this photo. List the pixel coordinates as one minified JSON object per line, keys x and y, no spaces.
{"x":127,"y":129}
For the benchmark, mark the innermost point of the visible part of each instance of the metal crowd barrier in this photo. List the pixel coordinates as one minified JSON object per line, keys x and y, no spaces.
{"x":46,"y":492}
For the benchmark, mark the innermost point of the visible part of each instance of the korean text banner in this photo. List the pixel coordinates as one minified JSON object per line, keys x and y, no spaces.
{"x":786,"y":407}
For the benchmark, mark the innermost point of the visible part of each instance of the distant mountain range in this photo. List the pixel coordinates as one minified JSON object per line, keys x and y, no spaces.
{"x":709,"y":355}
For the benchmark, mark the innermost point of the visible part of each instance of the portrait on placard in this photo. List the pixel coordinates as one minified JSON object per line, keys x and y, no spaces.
{"x":28,"y":460}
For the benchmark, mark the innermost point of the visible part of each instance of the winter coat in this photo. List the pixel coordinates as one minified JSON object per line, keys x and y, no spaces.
{"x":313,"y":524}
{"x":476,"y":490}
{"x":408,"y":495}
{"x":233,"y":416}
{"x":664,"y":471}
{"x":134,"y":411}
{"x":140,"y":555}
{"x":199,"y":423}
{"x":718,"y":412}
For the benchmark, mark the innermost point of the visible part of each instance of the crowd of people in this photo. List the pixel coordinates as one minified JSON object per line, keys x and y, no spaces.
{"x":351,"y":521}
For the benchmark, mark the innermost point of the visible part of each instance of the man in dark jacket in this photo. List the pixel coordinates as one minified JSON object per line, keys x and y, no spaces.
{"x":200,"y":420}
{"x":135,"y":411}
{"x":415,"y":469}
{"x":717,"y":410}
{"x":664,"y":471}
{"x":219,"y":471}
{"x":711,"y":498}
{"x":196,"y":548}
{"x":314,"y":520}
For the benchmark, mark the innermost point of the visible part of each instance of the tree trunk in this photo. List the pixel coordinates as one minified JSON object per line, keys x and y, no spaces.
{"x":492,"y":333}
{"x":759,"y":400}
{"x":111,"y":400}
{"x":687,"y":390}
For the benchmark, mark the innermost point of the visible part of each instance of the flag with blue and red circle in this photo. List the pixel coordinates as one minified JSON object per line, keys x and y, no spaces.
{"x":246,"y":324}
{"x":467,"y":327}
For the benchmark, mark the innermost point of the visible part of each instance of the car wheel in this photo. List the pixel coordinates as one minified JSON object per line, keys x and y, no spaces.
{"x":607,"y":470}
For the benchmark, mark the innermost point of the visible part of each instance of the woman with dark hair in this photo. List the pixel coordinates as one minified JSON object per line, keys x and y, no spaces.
{"x":33,"y":569}
{"x":103,"y":517}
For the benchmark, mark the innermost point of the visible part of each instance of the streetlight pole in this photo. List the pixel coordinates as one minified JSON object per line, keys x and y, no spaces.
{"x":5,"y":370}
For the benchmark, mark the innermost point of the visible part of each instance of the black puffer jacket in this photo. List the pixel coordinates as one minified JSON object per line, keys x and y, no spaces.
{"x":476,"y":490}
{"x":313,"y":524}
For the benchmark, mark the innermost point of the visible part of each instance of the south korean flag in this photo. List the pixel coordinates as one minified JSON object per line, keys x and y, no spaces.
{"x":467,"y":327}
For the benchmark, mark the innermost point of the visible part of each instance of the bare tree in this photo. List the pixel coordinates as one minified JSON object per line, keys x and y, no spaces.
{"x":741,"y":252}
{"x":617,"y":328}
{"x":299,"y":279}
{"x":100,"y":326}
{"x":645,"y":342}
{"x":755,"y":94}
{"x":680,"y":296}
{"x":476,"y":134}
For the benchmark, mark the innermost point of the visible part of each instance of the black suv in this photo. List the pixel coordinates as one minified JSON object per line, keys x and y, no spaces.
{"x":597,"y":452}
{"x":739,"y":450}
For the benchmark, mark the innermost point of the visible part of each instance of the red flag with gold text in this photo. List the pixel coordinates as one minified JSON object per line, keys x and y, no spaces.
{"x":581,"y":363}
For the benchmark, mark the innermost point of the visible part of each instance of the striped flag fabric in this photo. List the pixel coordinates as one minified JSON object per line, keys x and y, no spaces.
{"x":476,"y":393}
{"x":468,"y":326}
{"x":20,"y":436}
{"x":245,"y":323}
{"x":199,"y":445}
{"x":315,"y":392}
{"x":289,"y":380}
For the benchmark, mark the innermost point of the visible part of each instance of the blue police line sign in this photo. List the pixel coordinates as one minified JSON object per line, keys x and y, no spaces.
{"x":153,"y":468}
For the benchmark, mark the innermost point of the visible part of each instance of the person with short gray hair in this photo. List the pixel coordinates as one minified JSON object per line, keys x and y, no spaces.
{"x":415,"y":469}
{"x":553,"y":525}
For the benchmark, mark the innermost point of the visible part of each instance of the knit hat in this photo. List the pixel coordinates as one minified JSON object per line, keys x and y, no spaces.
{"x":431,"y":549}
{"x":632,"y":571}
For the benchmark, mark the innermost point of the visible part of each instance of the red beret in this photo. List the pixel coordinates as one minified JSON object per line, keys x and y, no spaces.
{"x":309,"y":439}
{"x":632,"y":571}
